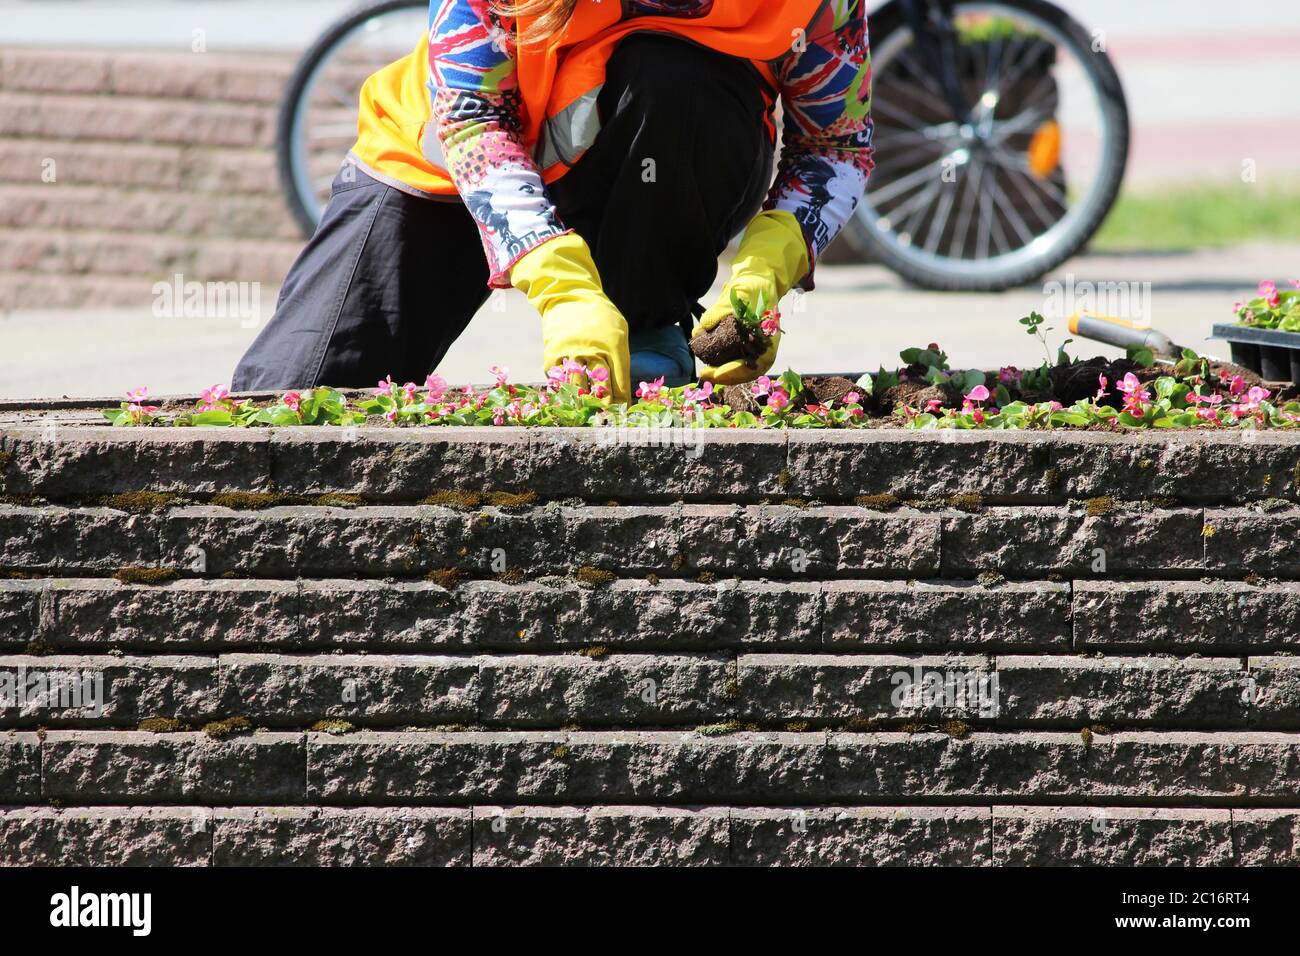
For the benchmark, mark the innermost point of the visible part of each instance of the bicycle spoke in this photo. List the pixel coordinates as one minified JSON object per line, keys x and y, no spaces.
{"x":939,"y":221}
{"x":1009,"y":210}
{"x":967,"y":211}
{"x":911,"y":120}
{"x":922,"y":202}
{"x":901,"y":186}
{"x":1011,"y":163}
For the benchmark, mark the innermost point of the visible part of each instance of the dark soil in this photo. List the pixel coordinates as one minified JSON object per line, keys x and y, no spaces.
{"x":729,"y":341}
{"x":915,"y":395}
{"x":816,"y":391}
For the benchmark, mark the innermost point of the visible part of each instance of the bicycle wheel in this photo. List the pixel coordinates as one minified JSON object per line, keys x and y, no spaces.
{"x":317,"y":122}
{"x":1004,"y":198}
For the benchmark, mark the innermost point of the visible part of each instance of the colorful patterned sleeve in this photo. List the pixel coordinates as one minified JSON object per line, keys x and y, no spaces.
{"x":474,"y":90}
{"x":826,"y":152}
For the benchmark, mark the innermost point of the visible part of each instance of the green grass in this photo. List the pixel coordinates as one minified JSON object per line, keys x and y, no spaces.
{"x":1200,"y":217}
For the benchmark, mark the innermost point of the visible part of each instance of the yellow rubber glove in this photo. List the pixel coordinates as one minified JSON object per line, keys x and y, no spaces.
{"x":773,"y":257}
{"x":579,"y":322}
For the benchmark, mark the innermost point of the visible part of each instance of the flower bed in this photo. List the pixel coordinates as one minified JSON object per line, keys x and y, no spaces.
{"x":925,"y":392}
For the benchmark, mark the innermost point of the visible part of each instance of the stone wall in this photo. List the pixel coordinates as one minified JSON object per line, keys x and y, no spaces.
{"x":120,"y":169}
{"x":541,"y":647}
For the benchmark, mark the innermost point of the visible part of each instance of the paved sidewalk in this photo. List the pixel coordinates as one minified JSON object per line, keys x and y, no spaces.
{"x":860,"y":317}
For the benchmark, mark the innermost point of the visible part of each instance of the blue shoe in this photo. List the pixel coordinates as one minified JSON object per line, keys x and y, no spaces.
{"x":661,"y":353}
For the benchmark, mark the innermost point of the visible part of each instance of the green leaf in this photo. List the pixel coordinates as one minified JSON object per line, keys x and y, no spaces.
{"x":1142,"y":355}
{"x":214,"y":417}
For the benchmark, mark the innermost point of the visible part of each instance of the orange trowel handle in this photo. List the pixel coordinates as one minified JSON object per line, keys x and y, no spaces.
{"x":1121,"y":333}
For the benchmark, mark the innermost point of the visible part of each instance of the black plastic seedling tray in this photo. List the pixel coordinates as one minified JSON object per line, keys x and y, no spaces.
{"x":1270,"y":354}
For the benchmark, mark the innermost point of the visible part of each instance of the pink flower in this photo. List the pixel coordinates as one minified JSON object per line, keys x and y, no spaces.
{"x":1196,"y":399}
{"x":498,"y":416}
{"x":650,"y":391}
{"x":1009,"y":375}
{"x":778,"y":398}
{"x":978,"y":394}
{"x":1257,"y":395}
{"x":138,"y":394}
{"x":1296,"y":283}
{"x":1268,"y":291}
{"x":1135,"y":396}
{"x":211,"y":396}
{"x":771,"y":323}
{"x":978,"y":416}
{"x":934,"y":406}
{"x":501,"y":374}
{"x":292,"y":399}
{"x":852,"y":398}
{"x":385,"y":386}
{"x":391,"y":415}
{"x":599,"y":374}
{"x":1236,"y":385}
{"x":437,"y":386}
{"x":556,"y":376}
{"x":701,"y":394}
{"x":1101,"y":392}
{"x":762,"y":386}
{"x":409,"y":390}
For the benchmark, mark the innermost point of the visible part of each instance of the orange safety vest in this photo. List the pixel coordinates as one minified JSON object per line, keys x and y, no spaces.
{"x":558,"y":84}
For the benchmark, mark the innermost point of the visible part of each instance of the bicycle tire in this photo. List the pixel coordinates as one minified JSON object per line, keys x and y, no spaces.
{"x":316,"y":54}
{"x":1102,"y":74}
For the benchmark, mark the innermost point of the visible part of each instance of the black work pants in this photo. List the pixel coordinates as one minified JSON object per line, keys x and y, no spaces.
{"x":390,"y":280}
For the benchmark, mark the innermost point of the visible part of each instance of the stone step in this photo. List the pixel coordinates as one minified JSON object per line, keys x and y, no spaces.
{"x":1109,"y":473}
{"x":780,"y":541}
{"x":520,"y":691}
{"x":646,"y":835}
{"x":213,"y":615}
{"x":221,"y":614}
{"x":1234,"y":769}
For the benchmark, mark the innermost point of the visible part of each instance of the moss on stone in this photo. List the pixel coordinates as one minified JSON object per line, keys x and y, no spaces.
{"x":720,"y":729}
{"x":652,"y":579}
{"x":336,"y":500}
{"x":860,"y":725}
{"x":560,"y":751}
{"x":250,"y":500}
{"x":163,"y":725}
{"x":1097,"y":507}
{"x":794,"y":502}
{"x":955,"y":728}
{"x":37,"y":648}
{"x":595,"y":652}
{"x":512,"y":499}
{"x":593,"y":577}
{"x":969,"y":501}
{"x":1273,"y":504}
{"x":138,"y":502}
{"x":221,"y":729}
{"x":877,"y":502}
{"x":797,"y":726}
{"x":453,"y":498}
{"x":990,"y":578}
{"x":146,"y":575}
{"x":706,"y":577}
{"x":784,"y":480}
{"x":512,"y":576}
{"x":1052,"y":479}
{"x":1086,"y":736}
{"x":447,"y":578}
{"x":333,"y":726}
